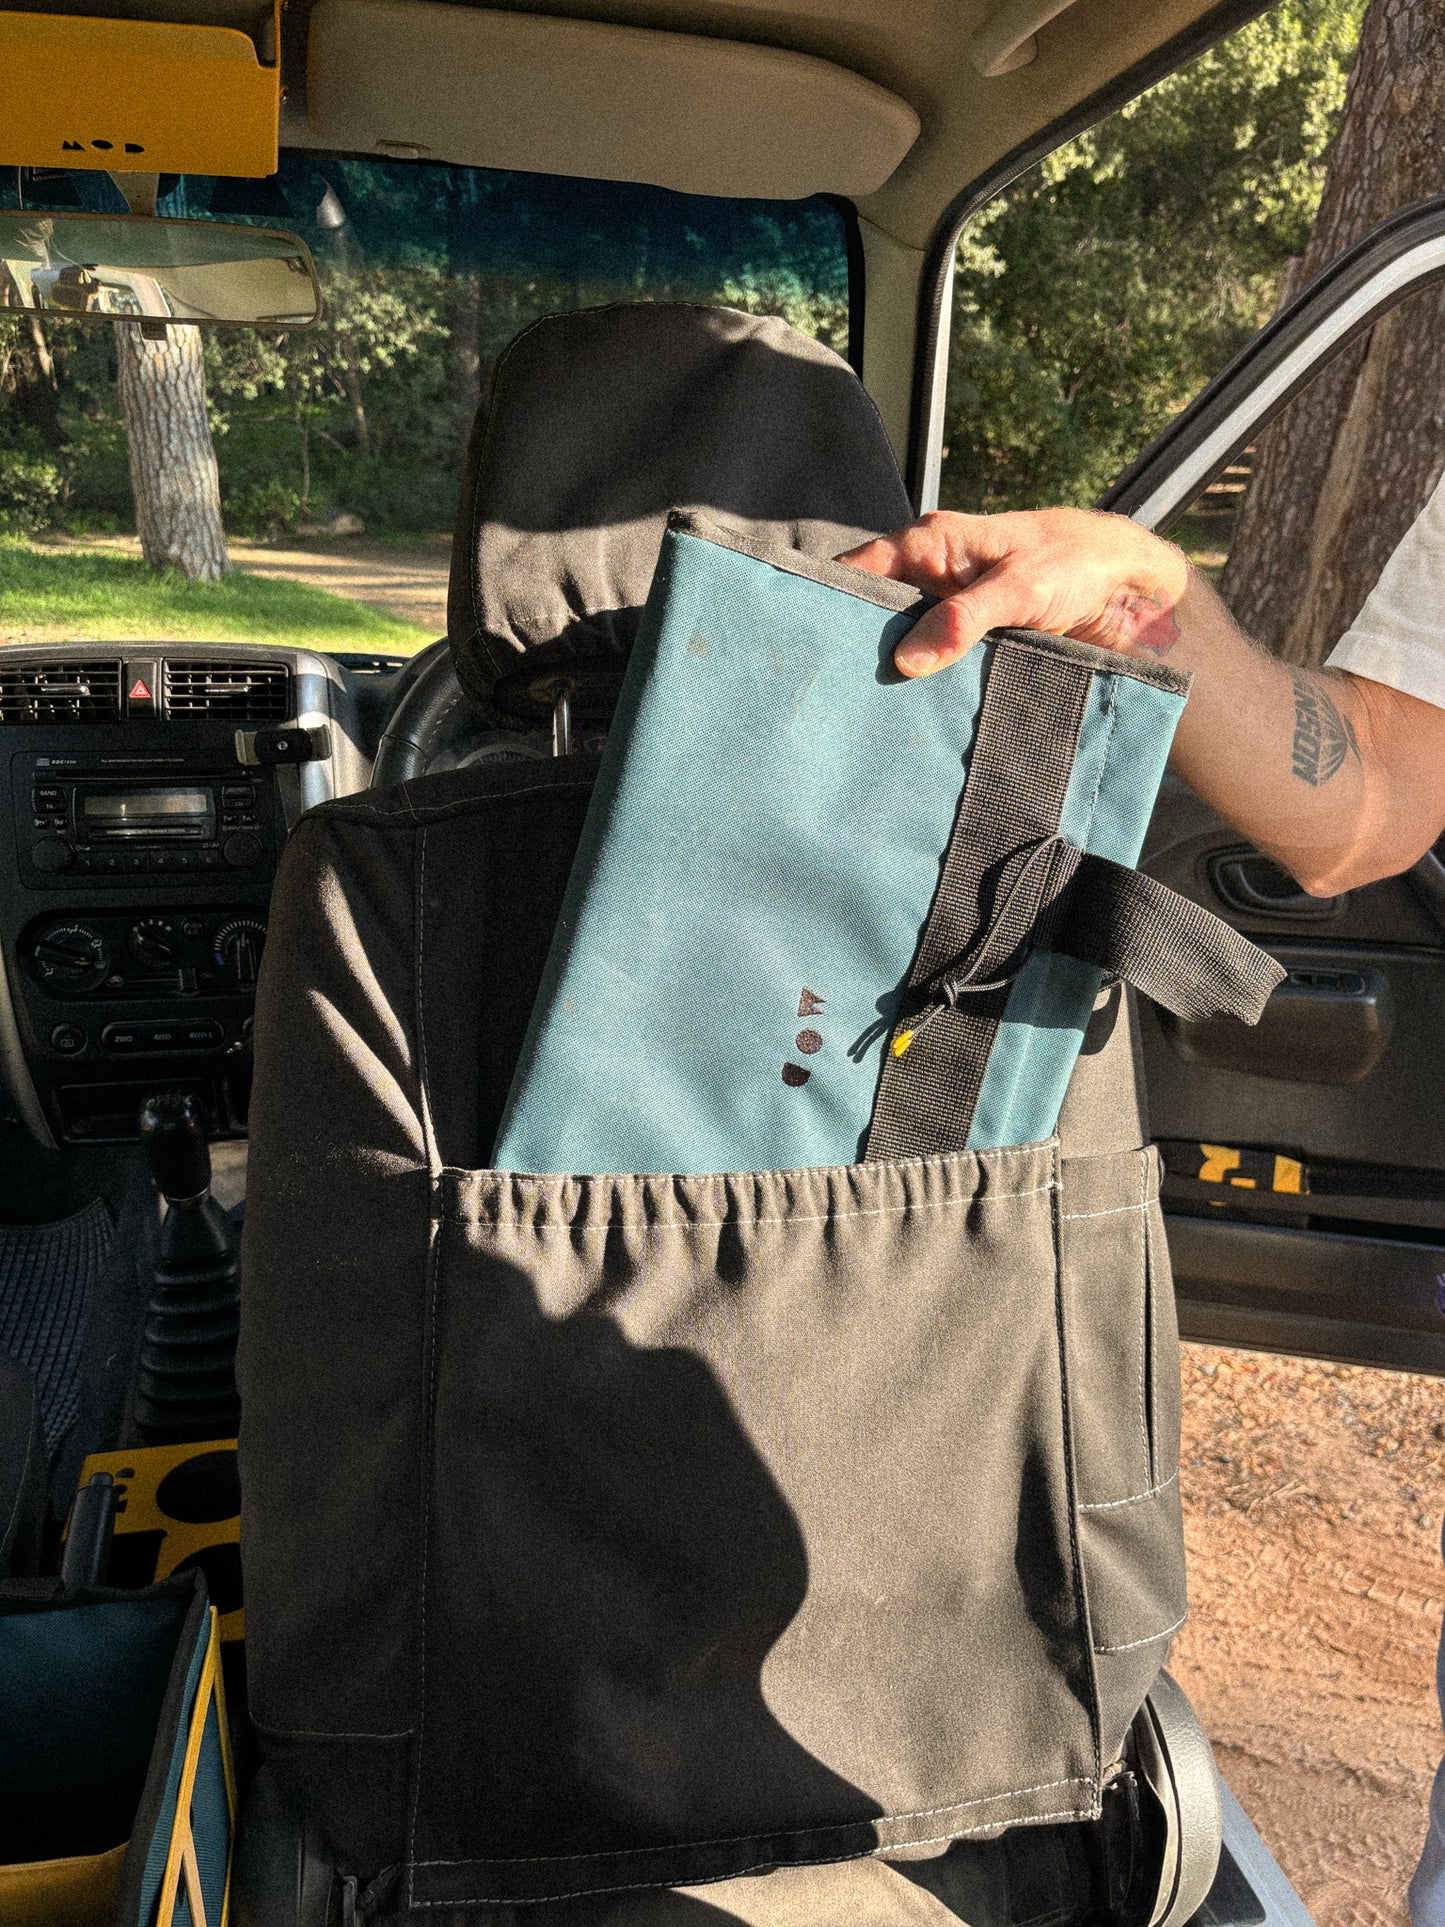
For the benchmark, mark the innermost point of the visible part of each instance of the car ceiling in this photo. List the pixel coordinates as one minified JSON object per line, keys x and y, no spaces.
{"x":926,"y":55}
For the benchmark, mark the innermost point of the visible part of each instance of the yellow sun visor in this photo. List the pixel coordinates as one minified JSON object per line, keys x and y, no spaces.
{"x":137,"y":96}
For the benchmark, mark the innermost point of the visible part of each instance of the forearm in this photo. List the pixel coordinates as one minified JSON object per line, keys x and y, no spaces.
{"x":1342,"y":780}
{"x":1310,"y":765}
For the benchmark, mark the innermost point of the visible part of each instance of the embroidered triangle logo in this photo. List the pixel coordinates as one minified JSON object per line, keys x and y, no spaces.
{"x":139,"y":693}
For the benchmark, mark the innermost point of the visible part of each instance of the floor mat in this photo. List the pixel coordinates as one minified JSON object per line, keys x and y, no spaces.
{"x":46,"y":1274}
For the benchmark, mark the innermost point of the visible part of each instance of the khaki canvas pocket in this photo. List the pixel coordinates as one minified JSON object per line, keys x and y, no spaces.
{"x":750,"y":1535}
{"x":1122,"y":1346}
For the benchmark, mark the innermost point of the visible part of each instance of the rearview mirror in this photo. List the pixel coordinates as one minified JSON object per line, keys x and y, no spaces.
{"x":136,"y":266}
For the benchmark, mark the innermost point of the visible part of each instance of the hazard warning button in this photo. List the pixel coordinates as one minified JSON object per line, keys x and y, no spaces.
{"x":142,"y":682}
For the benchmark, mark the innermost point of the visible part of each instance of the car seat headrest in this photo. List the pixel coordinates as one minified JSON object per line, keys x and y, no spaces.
{"x":597,"y":425}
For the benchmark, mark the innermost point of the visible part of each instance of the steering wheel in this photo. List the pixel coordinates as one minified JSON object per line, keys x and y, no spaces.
{"x":434,"y":727}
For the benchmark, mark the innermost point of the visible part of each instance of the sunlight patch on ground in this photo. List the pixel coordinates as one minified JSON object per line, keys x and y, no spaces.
{"x":49,"y":594}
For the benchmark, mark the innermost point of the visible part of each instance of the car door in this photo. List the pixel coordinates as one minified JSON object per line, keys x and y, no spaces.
{"x":1304,"y":1159}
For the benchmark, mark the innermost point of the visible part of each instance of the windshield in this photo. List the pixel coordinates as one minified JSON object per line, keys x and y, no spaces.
{"x":337,"y":450}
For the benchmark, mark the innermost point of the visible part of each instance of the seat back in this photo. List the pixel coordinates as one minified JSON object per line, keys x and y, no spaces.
{"x":396,"y":1362}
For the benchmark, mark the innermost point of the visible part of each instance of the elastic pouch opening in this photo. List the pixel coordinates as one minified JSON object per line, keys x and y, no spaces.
{"x":750,"y":1534}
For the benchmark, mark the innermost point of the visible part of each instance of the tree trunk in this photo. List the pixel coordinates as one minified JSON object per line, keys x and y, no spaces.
{"x":173,"y":472}
{"x":1340,"y":476}
{"x":464,"y":321}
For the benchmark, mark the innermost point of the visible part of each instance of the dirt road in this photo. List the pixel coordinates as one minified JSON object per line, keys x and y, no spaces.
{"x":408,"y":579}
{"x":1313,"y":1496}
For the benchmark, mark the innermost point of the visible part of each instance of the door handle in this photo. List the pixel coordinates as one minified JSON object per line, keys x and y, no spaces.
{"x":1427,"y":879}
{"x":1247,"y":881}
{"x":1324,"y":1025}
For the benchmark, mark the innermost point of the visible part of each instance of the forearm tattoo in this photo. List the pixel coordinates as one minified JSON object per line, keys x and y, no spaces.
{"x":1323,"y":737}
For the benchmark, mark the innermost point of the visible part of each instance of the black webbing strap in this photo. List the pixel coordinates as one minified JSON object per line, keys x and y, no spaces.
{"x":1182,"y":956}
{"x":1011,"y":886}
{"x":1018,"y":777}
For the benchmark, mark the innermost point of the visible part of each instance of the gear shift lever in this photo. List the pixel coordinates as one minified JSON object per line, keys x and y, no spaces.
{"x":186,"y":1386}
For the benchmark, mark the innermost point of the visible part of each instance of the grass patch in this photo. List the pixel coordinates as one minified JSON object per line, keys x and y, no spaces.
{"x":50,"y":596}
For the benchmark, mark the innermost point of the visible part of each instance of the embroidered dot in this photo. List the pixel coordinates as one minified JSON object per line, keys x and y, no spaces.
{"x":795,"y":1075}
{"x":809,"y":1042}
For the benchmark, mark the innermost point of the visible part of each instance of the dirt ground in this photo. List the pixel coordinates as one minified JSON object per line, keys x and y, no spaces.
{"x":1313,"y":1497}
{"x":407,"y":579}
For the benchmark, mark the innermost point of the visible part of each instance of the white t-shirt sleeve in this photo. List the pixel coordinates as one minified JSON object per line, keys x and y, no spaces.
{"x":1399,"y":636}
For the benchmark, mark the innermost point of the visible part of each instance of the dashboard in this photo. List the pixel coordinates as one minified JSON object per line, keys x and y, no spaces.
{"x":149,"y":791}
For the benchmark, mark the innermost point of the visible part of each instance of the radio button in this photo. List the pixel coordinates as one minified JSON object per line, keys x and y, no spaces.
{"x":242,"y":850}
{"x":51,"y":854}
{"x":69,"y":1039}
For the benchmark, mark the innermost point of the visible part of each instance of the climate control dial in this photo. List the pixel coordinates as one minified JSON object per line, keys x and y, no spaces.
{"x":71,"y":956}
{"x":155,"y":941}
{"x":238,"y":947}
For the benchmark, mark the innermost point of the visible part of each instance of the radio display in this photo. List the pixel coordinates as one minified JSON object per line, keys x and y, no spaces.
{"x":150,"y":812}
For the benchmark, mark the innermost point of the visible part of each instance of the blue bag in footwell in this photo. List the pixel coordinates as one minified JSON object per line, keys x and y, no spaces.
{"x":820,"y":912}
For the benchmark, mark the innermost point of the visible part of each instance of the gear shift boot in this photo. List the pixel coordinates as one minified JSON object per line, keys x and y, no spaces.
{"x":186,"y":1386}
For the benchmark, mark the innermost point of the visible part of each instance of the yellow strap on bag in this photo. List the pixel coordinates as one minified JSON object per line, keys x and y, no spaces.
{"x":181,"y":1864}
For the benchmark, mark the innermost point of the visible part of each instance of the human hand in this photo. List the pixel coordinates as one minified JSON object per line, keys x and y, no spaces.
{"x":1074,"y":572}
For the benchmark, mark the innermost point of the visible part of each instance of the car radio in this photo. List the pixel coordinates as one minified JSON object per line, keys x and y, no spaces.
{"x":113,"y":824}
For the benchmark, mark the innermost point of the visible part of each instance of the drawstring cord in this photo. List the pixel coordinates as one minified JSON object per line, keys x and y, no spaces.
{"x":947,"y":989}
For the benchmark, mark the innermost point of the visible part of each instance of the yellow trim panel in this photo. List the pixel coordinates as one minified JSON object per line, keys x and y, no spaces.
{"x":134,"y":96}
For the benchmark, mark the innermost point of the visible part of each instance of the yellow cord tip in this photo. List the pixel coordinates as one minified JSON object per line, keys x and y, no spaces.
{"x":901,"y":1042}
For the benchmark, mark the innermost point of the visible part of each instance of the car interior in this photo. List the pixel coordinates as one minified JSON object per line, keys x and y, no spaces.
{"x":151,"y":788}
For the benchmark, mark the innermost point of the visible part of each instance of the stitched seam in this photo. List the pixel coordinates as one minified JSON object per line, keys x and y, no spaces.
{"x":1147,"y":1640}
{"x":1081,"y":1600}
{"x":1149,"y":1472}
{"x":423,"y":1075}
{"x":430,"y":1368}
{"x":746,"y":1223}
{"x":1010,"y":1153}
{"x":1114,"y":1211}
{"x":434,"y":1264}
{"x":739,"y":1839}
{"x":765,"y":1866}
{"x":1151,"y":1286}
{"x":1134,"y":1498}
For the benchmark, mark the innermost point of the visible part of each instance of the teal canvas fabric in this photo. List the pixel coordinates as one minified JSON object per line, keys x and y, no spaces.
{"x":758,"y":861}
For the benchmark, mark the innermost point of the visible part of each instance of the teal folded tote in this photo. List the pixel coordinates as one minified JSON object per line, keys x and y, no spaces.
{"x":759,"y":859}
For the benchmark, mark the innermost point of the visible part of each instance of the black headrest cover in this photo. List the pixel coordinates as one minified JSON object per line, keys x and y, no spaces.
{"x":597,"y":424}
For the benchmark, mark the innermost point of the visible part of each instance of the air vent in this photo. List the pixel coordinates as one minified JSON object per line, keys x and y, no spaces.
{"x":60,"y":692}
{"x":228,"y":692}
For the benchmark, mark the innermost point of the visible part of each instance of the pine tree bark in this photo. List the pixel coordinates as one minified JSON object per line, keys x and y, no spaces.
{"x":1340,"y":476}
{"x":173,"y":474}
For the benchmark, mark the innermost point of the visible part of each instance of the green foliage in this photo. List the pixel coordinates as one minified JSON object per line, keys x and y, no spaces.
{"x":427,"y":273}
{"x":1110,"y":284}
{"x":30,"y":486}
{"x":78,"y":593}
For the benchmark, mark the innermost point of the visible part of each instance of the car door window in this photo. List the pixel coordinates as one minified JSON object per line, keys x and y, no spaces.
{"x":1305,"y":1159}
{"x":1113,"y":280}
